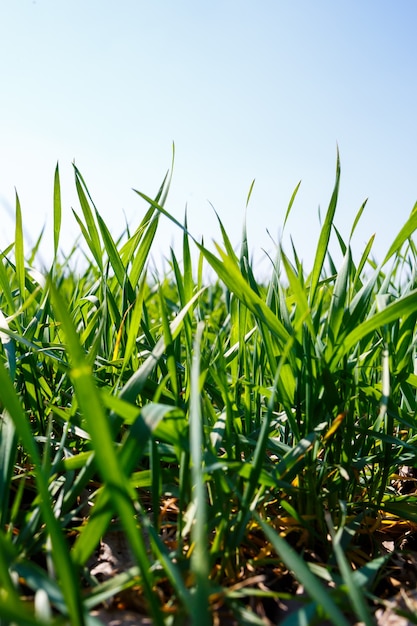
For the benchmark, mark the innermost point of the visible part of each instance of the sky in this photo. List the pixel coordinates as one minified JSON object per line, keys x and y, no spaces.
{"x":263,"y":91}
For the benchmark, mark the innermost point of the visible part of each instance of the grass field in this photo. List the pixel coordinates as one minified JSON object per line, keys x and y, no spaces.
{"x":251,"y":445}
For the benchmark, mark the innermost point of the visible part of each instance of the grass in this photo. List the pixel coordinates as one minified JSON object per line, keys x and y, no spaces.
{"x":246,"y":438}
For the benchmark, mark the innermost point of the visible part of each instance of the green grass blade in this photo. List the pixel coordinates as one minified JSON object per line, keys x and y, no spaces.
{"x":57,"y":210}
{"x":394,"y":311}
{"x":107,"y":461}
{"x":322,"y":246}
{"x":134,"y":325}
{"x":354,"y":591}
{"x":291,"y":202}
{"x":141,"y":255}
{"x":67,"y":574}
{"x":357,"y":218}
{"x":227,"y":270}
{"x":303,"y":574}
{"x":8,"y":453}
{"x":8,"y":346}
{"x":129,"y":455}
{"x":111,"y":249}
{"x":137,"y":381}
{"x":199,"y":561}
{"x":19,"y":250}
{"x":405,"y":233}
{"x":93,"y":239}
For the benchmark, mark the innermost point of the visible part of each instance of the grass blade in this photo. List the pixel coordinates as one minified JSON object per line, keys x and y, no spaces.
{"x":19,"y":250}
{"x":297,"y":565}
{"x":67,"y":574}
{"x":57,"y":210}
{"x":322,"y":246}
{"x":199,"y":560}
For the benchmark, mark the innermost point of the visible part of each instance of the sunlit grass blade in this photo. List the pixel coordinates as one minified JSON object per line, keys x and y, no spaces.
{"x":134,"y":325}
{"x":357,"y":218}
{"x":141,"y":254}
{"x":405,"y":233}
{"x":64,"y":566}
{"x":112,"y":253}
{"x":57,"y":210}
{"x":392,"y":312}
{"x":199,"y":561}
{"x":229,"y":272}
{"x":19,"y":250}
{"x":291,"y":202}
{"x":105,"y":454}
{"x":322,"y":246}
{"x":143,"y":423}
{"x":84,"y":198}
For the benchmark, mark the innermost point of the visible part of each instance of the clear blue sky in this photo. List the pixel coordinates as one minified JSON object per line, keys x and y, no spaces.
{"x":245,"y":89}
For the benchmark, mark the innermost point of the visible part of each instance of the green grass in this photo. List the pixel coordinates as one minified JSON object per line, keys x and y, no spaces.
{"x":244,"y":436}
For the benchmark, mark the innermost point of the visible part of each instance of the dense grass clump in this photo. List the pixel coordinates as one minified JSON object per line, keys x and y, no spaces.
{"x":248,"y":441}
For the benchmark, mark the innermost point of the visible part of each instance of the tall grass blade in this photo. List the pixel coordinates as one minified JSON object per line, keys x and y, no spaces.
{"x":100,"y":431}
{"x":199,"y":561}
{"x":93,"y":239}
{"x":57,"y":210}
{"x":322,"y":246}
{"x":354,"y":590}
{"x":19,"y":250}
{"x":67,"y":574}
{"x":405,"y":233}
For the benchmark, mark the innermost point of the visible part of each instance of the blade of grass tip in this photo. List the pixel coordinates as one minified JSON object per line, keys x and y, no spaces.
{"x":357,"y":218}
{"x":324,"y":238}
{"x":244,"y":251}
{"x":405,"y":233}
{"x":162,"y":194}
{"x":227,"y":243}
{"x":64,"y":566}
{"x":199,"y":561}
{"x":167,"y":181}
{"x":108,"y":463}
{"x":57,"y":210}
{"x":163,"y":211}
{"x":298,"y":566}
{"x":187,"y":264}
{"x":364,"y":258}
{"x":19,"y":250}
{"x":291,"y":202}
{"x":84,"y":197}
